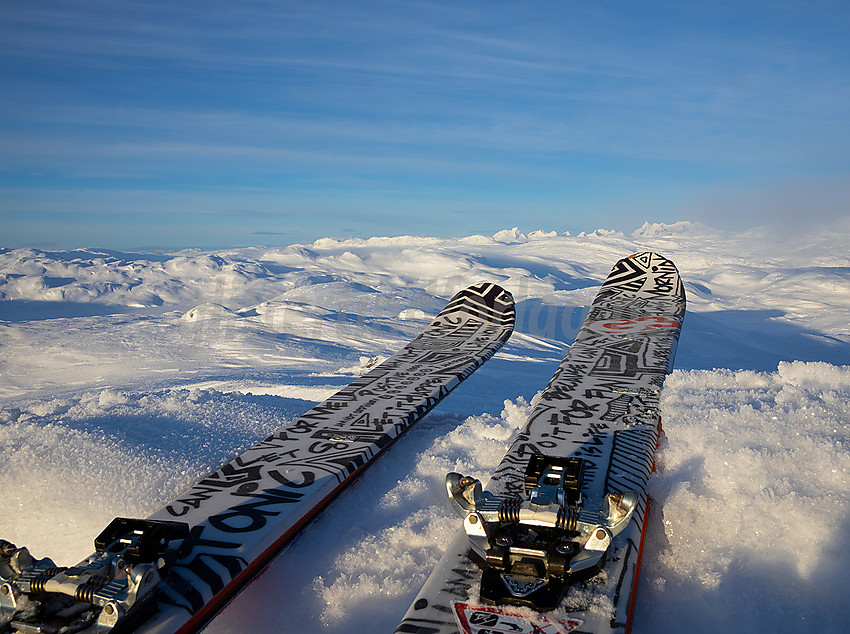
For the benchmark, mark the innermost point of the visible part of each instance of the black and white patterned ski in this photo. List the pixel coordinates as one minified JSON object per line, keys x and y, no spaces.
{"x":175,"y":570}
{"x":554,"y":541}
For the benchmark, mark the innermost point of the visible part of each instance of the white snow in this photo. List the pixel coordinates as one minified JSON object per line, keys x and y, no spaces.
{"x":126,"y":376}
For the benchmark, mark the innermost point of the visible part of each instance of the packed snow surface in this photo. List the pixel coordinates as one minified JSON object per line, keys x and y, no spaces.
{"x":127,"y":376}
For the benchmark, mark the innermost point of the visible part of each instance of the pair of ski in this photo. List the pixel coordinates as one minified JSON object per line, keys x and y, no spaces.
{"x":565,"y":508}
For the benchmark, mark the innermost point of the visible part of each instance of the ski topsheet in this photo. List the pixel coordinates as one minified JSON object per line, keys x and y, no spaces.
{"x":177,"y":569}
{"x":553,"y":544}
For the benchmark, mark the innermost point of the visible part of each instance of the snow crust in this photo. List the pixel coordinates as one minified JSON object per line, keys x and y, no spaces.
{"x":751,"y":503}
{"x":126,"y":376}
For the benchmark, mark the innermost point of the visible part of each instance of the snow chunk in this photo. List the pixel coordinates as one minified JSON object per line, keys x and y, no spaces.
{"x":659,"y":229}
{"x":508,"y":236}
{"x":412,"y":313}
{"x":816,"y":377}
{"x":292,"y":255}
{"x":477,"y":239}
{"x":335,"y":243}
{"x":365,"y":364}
{"x":602,"y":233}
{"x":208,"y":311}
{"x":542,"y":235}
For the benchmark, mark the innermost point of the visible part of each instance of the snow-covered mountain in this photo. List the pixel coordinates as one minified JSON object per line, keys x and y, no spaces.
{"x":126,"y":376}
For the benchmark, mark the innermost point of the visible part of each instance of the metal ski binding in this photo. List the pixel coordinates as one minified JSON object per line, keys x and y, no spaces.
{"x":112,"y":586}
{"x":533,"y":549}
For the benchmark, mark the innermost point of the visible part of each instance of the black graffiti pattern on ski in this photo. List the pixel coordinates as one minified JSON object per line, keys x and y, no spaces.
{"x":324,"y":447}
{"x":344,"y":432}
{"x":611,"y":377}
{"x":601,"y":406}
{"x":222,"y":531}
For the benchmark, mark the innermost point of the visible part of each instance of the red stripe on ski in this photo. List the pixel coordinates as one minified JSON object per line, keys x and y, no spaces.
{"x":630,"y":612}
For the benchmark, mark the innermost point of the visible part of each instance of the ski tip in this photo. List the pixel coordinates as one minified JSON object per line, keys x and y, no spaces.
{"x":484,"y":301}
{"x":492,"y":294}
{"x":646,"y":273}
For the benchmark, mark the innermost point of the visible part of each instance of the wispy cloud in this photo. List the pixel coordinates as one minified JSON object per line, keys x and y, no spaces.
{"x":419,"y":101}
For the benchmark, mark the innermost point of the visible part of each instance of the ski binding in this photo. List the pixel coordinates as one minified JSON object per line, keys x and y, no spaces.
{"x":531,"y":550}
{"x":109,"y":588}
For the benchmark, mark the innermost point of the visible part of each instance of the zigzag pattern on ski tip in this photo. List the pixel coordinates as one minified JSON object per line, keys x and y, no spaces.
{"x":486,"y":301}
{"x":484,"y":295}
{"x":632,"y":273}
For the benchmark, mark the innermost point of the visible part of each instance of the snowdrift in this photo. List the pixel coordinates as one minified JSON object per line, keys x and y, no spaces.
{"x":126,"y":376}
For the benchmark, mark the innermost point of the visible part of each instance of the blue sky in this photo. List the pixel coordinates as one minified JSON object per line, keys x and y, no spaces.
{"x":209,"y":123}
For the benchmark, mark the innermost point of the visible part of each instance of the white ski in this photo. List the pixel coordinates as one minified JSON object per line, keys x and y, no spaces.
{"x":175,"y":570}
{"x":554,"y":541}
